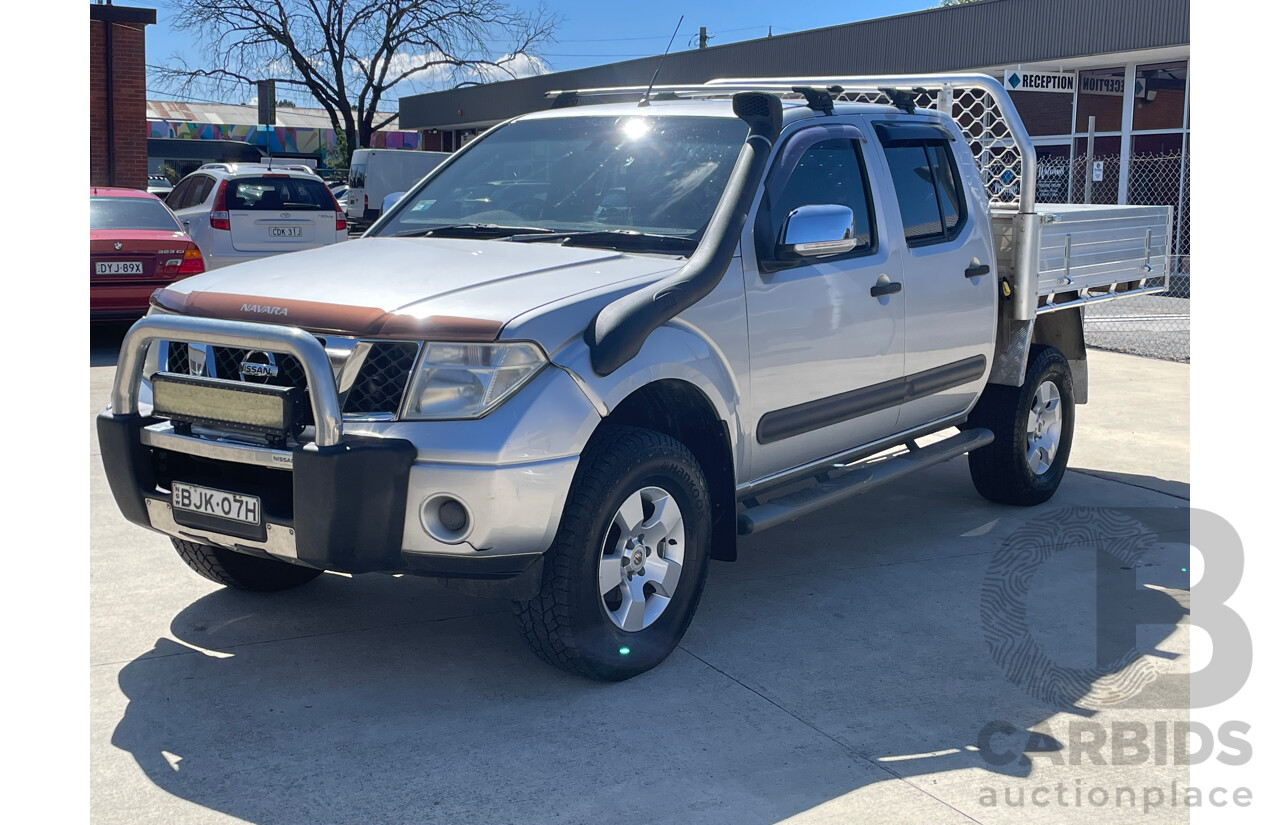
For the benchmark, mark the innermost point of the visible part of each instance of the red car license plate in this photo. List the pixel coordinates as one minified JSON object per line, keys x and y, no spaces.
{"x":118,"y":268}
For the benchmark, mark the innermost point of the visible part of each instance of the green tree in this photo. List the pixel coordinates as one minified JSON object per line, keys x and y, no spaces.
{"x":338,"y":156}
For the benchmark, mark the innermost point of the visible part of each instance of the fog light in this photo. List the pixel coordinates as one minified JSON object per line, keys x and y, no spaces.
{"x":445,"y":518}
{"x":453,"y":516}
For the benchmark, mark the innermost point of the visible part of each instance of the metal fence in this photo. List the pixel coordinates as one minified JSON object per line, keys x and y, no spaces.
{"x":1156,"y":325}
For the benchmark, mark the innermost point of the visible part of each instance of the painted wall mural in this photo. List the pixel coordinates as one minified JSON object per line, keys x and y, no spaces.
{"x":287,"y":139}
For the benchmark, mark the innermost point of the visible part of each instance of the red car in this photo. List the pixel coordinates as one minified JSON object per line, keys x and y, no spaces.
{"x":135,"y":246}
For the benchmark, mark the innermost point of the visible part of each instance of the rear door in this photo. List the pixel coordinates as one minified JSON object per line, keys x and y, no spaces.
{"x":279,"y":213}
{"x":188,"y":202}
{"x":188,"y":197}
{"x":949,"y":280}
{"x":357,"y":182}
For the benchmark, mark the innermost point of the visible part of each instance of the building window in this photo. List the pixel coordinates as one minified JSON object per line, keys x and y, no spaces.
{"x":1100,"y":92}
{"x":1044,"y":113}
{"x":1160,"y":95}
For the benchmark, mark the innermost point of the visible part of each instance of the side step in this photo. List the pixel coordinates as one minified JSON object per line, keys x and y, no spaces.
{"x":860,"y":480}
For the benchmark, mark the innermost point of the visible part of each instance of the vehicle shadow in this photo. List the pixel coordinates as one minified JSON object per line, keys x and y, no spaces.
{"x":793,"y":688}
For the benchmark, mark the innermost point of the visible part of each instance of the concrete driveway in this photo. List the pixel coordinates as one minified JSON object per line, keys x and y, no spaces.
{"x":851,"y":667}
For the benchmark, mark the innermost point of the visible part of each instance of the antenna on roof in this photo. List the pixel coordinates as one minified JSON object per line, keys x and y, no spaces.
{"x":644,"y":101}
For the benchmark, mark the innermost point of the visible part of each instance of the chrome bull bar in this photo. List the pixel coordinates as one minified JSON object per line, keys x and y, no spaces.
{"x":321,"y":387}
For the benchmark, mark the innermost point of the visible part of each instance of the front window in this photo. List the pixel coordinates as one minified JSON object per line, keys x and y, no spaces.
{"x":131,"y":213}
{"x":582,"y":176}
{"x":829,"y":171}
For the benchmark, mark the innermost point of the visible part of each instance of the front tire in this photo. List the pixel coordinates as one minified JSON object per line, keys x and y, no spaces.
{"x":625,"y":574}
{"x":1033,"y":426}
{"x":240,"y":570}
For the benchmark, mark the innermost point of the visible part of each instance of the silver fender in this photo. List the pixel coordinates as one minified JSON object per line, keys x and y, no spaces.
{"x":676,"y":351}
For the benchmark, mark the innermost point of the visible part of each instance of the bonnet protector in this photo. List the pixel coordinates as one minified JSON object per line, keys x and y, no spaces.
{"x":621,"y":328}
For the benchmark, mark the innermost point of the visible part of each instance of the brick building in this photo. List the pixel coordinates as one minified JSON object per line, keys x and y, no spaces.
{"x":118,"y":95}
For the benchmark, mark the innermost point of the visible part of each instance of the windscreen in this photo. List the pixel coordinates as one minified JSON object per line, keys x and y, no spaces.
{"x":131,"y":213}
{"x":277,"y":193}
{"x":648,"y":174}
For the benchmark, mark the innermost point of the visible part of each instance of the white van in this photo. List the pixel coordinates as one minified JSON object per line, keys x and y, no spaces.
{"x":376,"y":173}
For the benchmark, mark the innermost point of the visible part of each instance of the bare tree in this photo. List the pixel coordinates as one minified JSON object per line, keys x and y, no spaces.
{"x":349,"y":53}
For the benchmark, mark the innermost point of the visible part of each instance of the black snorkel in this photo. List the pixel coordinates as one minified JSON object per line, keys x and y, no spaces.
{"x":620,"y":329}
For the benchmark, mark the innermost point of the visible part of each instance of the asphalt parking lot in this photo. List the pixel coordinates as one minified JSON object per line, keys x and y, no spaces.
{"x":852,"y":666}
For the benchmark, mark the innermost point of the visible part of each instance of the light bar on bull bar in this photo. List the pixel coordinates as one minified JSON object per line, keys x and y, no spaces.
{"x":217,"y":402}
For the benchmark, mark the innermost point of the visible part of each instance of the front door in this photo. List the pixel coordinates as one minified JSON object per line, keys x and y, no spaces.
{"x":820,"y":342}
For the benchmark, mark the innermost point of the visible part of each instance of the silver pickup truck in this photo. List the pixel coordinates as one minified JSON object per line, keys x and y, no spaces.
{"x":588,"y":351}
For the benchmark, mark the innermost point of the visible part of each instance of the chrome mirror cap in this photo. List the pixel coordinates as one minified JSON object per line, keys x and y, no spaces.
{"x":818,"y":230}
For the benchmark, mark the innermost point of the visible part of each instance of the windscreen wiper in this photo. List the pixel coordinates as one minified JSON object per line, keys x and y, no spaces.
{"x":471,"y":230}
{"x":613,"y":238}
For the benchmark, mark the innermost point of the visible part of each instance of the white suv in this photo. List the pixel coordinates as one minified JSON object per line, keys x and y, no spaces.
{"x":245,"y":211}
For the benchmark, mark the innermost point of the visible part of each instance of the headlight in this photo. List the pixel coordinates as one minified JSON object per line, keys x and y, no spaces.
{"x":469,"y":380}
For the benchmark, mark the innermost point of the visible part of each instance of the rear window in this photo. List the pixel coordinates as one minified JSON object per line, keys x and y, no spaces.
{"x":131,"y":213}
{"x":357,"y":176}
{"x":929,"y":198}
{"x":298,"y":194}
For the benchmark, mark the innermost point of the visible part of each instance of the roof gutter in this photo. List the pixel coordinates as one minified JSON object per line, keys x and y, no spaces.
{"x":618,"y":332}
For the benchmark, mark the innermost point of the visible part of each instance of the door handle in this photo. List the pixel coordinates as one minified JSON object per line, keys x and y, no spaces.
{"x":977,"y":271}
{"x":881,"y":290}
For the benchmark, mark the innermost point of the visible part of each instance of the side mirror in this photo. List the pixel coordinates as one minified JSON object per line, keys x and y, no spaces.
{"x":391,"y":200}
{"x":817,"y":231}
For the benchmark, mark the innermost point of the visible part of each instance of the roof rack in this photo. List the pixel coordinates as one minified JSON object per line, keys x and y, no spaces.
{"x":977,"y":102}
{"x":815,"y":97}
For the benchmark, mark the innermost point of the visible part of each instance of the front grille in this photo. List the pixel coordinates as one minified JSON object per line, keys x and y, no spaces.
{"x":179,"y":360}
{"x":382,"y":379}
{"x":377,"y":390}
{"x":226,"y":364}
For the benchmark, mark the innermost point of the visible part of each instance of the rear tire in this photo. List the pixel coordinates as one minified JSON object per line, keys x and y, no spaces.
{"x":625,"y":574}
{"x":240,"y":570}
{"x":1033,"y":426}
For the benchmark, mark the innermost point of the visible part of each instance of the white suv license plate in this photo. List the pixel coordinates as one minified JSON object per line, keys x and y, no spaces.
{"x":118,"y":268}
{"x":231,"y":506}
{"x":286,"y":231}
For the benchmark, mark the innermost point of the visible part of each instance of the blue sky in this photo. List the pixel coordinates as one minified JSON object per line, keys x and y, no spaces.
{"x":593,"y":32}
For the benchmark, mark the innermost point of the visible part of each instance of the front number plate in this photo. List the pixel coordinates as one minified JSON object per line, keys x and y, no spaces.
{"x":286,"y":231}
{"x":231,"y":506}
